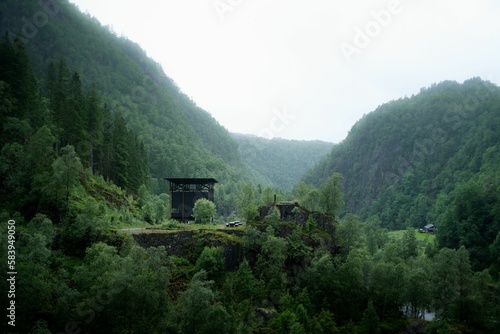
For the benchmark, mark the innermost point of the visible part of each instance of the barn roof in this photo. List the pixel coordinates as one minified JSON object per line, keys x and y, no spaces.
{"x":185,"y":180}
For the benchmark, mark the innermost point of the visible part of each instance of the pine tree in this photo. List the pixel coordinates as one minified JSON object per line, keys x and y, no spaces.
{"x":74,"y":128}
{"x":17,"y":73}
{"x":19,"y":87}
{"x":66,"y":170}
{"x":105,"y":152}
{"x":94,"y":121}
{"x":50,"y":89}
{"x":370,"y":322}
{"x":331,"y":195}
{"x":137,"y":169}
{"x":120,"y":156}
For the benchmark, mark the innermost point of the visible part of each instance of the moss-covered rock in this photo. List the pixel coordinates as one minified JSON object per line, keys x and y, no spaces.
{"x":189,"y":244}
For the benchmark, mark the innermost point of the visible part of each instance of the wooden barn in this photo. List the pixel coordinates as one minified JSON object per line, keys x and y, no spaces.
{"x":184,"y":192}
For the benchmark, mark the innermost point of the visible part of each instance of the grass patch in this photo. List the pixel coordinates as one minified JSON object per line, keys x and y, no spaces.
{"x":134,"y":223}
{"x":422,"y":238}
{"x":427,"y":237}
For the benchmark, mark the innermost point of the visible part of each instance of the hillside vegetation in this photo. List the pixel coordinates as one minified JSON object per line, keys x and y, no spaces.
{"x":90,"y":125}
{"x":279,"y":162}
{"x":402,"y":161}
{"x":181,"y":139}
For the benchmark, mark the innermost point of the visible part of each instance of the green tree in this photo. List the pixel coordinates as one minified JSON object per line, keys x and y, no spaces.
{"x":298,"y":251}
{"x":138,"y":166}
{"x":273,"y":217}
{"x":247,"y":321}
{"x":452,"y":281}
{"x":62,"y":114}
{"x":74,"y":128}
{"x":331,"y":197}
{"x":495,"y":254}
{"x":375,"y":236}
{"x":43,"y":225}
{"x":120,"y":159}
{"x":308,"y":196}
{"x":199,"y":302}
{"x":105,"y":155}
{"x":349,"y":288}
{"x":418,"y":287}
{"x":7,"y":105}
{"x":41,"y":155}
{"x":22,"y":86}
{"x":14,"y":175}
{"x":94,"y":117}
{"x":36,"y":283}
{"x":465,"y":273}
{"x":124,"y":293}
{"x":156,"y":208}
{"x":286,"y":322}
{"x":387,"y":286}
{"x":245,"y":285}
{"x":252,"y":240}
{"x":370,"y":321}
{"x":143,"y":303}
{"x":444,"y":281}
{"x":211,"y":260}
{"x":65,"y":172}
{"x":267,"y":196}
{"x":270,"y":265}
{"x":246,"y":203}
{"x":303,"y":319}
{"x":204,"y":211}
{"x":82,"y":227}
{"x":98,"y":279}
{"x":472,"y":220}
{"x":409,"y":244}
{"x":350,"y":233}
{"x":327,"y":322}
{"x":317,"y":278}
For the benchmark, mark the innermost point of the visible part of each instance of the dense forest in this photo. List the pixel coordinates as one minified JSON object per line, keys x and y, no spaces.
{"x":432,"y":158}
{"x":279,"y":162}
{"x":181,"y":139}
{"x":90,"y":126}
{"x":404,"y":160}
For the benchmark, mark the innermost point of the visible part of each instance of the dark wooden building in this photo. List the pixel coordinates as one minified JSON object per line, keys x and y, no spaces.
{"x":184,"y":192}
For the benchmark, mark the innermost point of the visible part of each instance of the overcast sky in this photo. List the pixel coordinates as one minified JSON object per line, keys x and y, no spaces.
{"x":307,"y":69}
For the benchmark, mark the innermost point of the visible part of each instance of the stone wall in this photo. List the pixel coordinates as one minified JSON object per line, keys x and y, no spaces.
{"x":190,"y":244}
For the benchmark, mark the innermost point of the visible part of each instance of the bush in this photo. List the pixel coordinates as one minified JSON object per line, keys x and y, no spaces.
{"x":204,"y":211}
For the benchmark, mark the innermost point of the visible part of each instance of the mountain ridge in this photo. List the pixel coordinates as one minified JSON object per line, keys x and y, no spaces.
{"x":398,"y":159}
{"x":279,"y":162}
{"x":167,"y":121}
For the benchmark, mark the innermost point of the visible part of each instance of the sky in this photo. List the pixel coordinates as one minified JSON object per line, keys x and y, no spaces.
{"x":307,"y":70}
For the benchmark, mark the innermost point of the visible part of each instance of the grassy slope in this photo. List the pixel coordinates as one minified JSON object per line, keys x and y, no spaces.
{"x":423,"y":238}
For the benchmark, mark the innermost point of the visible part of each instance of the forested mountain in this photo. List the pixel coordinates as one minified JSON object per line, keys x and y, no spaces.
{"x":86,"y":120}
{"x":180,"y":139}
{"x":279,"y":162}
{"x":403,"y":161}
